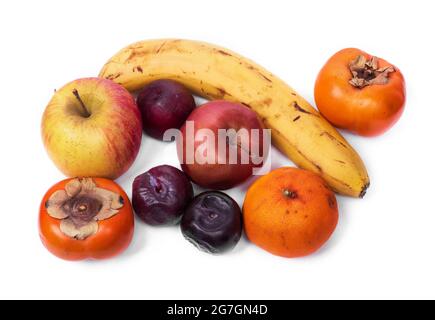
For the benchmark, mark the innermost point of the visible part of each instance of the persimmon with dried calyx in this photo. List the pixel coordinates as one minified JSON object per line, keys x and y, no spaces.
{"x":86,"y":218}
{"x":359,"y":92}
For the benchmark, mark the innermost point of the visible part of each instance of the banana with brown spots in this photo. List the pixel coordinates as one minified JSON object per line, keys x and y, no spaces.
{"x":213,"y":72}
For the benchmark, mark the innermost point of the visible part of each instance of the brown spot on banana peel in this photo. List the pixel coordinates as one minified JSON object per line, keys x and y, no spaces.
{"x":299,"y":108}
{"x":267,"y":101}
{"x":135,"y":53}
{"x":222,"y":92}
{"x":222,"y":52}
{"x":160,"y":47}
{"x":138,"y":69}
{"x":251,"y":67}
{"x":319,"y":168}
{"x":136,"y":46}
{"x":113,"y":76}
{"x":296,"y":119}
{"x":264,"y":77}
{"x":330,"y":136}
{"x":246,"y":105}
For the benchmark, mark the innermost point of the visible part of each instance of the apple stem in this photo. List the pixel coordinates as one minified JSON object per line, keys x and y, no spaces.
{"x":86,"y":113}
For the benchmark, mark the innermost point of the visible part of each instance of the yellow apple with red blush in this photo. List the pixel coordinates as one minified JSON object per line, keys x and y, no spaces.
{"x":92,"y":128}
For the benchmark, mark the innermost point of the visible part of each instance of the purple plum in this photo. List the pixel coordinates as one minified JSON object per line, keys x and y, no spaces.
{"x":164,"y":104}
{"x":212,"y":222}
{"x":161,"y":195}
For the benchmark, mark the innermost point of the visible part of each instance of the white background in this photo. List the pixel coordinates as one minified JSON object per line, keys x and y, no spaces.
{"x":384,"y":246}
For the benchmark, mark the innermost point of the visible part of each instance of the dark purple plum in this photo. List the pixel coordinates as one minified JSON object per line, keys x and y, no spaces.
{"x":161,"y":195}
{"x":212,"y":222}
{"x":164,"y":104}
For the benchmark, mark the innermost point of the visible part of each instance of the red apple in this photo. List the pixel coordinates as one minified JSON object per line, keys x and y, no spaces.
{"x":214,"y":160}
{"x":92,"y":128}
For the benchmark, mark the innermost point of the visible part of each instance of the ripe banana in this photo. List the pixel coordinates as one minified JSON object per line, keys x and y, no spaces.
{"x":298,"y":130}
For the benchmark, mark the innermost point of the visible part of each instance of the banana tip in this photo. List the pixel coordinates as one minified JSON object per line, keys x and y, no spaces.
{"x":364,"y":190}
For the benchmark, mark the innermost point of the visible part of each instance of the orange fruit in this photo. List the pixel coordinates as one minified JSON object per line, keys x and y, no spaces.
{"x":290,"y":212}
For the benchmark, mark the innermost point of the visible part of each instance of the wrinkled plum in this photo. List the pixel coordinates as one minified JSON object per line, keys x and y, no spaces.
{"x":212,"y":222}
{"x":161,"y":195}
{"x":164,"y":104}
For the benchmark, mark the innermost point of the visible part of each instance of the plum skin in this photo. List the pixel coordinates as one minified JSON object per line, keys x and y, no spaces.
{"x":212,"y":222}
{"x":164,"y":104}
{"x":161,"y":195}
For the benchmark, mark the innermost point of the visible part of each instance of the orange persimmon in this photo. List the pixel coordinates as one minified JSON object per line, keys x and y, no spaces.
{"x":86,"y":218}
{"x":359,"y":92}
{"x":290,"y":212}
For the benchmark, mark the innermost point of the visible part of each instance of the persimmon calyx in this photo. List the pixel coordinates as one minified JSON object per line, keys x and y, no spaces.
{"x":367,"y":72}
{"x":81,"y":205}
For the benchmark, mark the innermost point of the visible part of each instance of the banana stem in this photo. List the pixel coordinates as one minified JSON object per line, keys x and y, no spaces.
{"x":86,"y":113}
